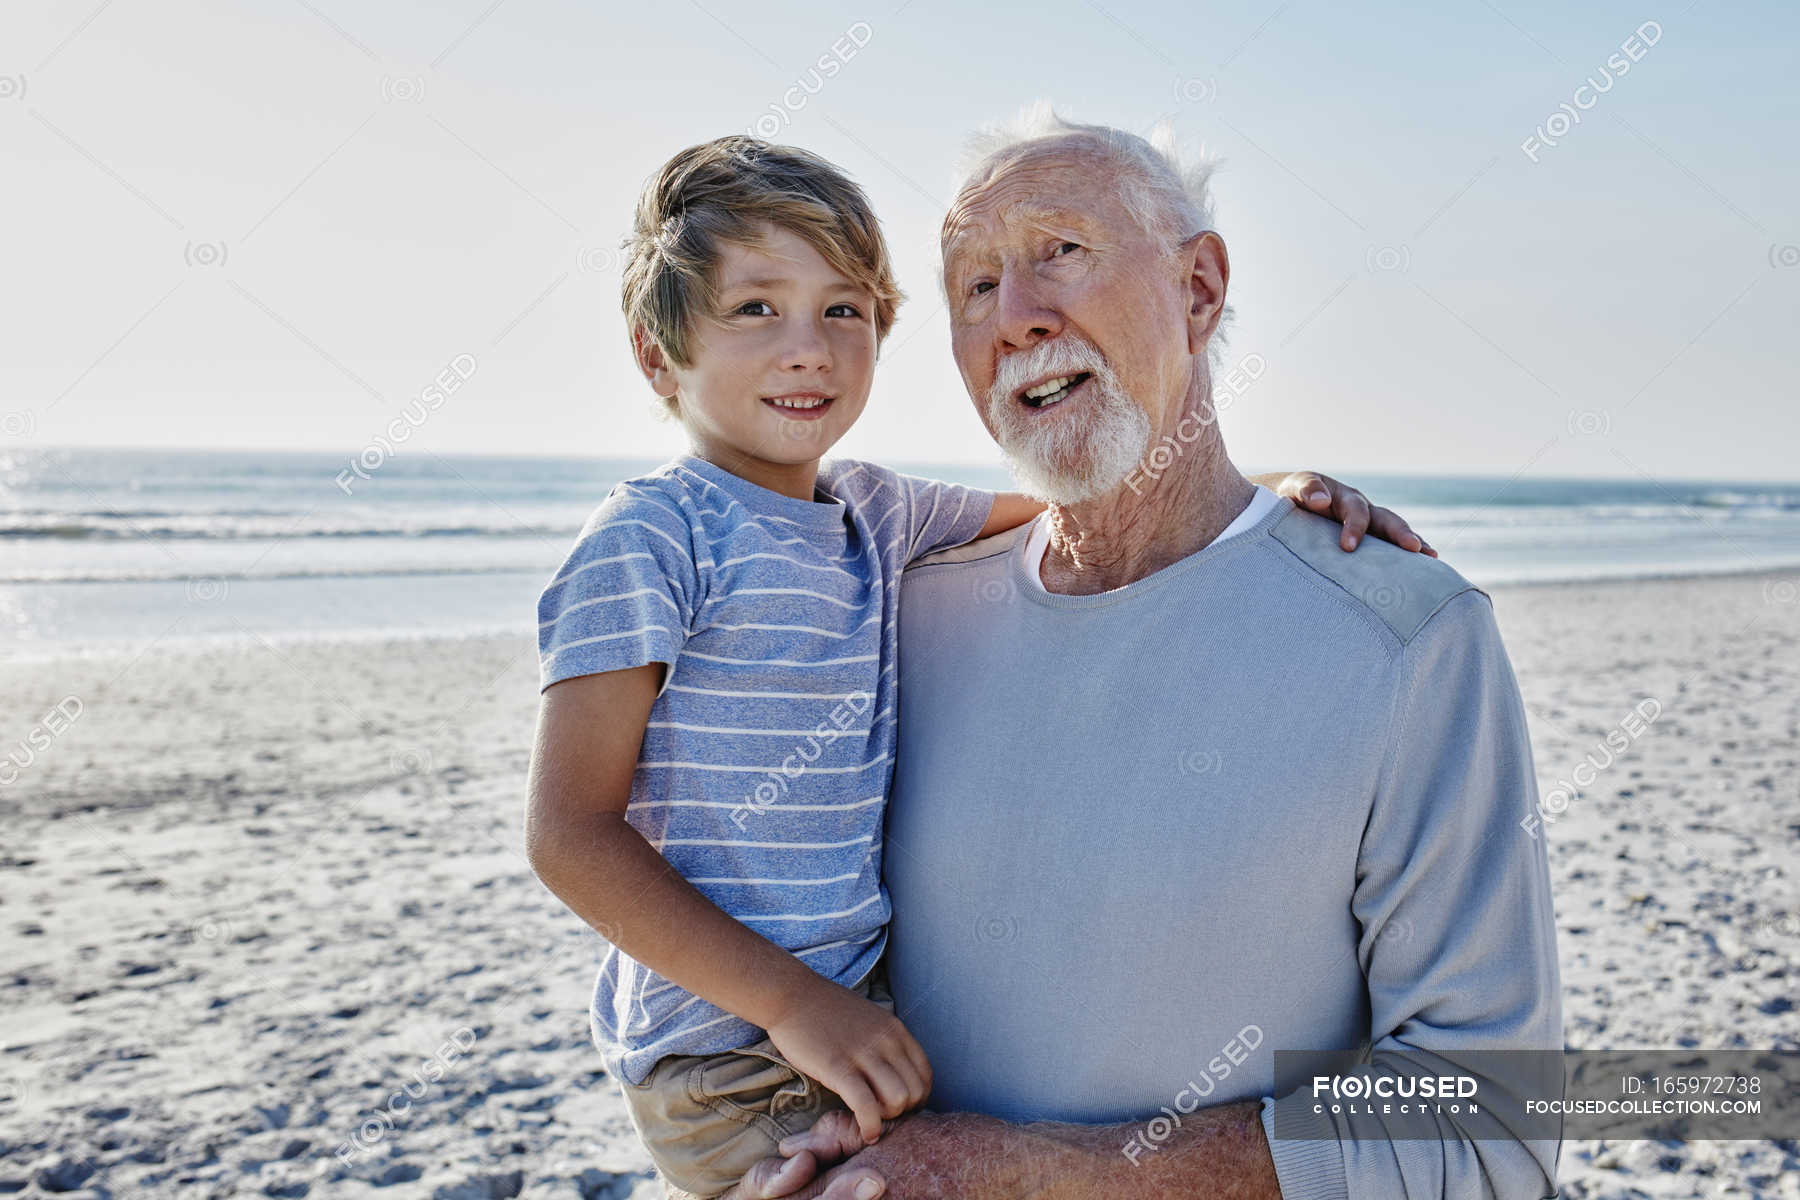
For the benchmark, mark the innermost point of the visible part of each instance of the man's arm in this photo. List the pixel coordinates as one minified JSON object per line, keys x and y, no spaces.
{"x":1458,"y":942}
{"x":1218,"y":1152}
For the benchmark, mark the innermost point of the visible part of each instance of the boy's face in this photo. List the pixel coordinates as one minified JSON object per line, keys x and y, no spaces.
{"x":782,"y":368}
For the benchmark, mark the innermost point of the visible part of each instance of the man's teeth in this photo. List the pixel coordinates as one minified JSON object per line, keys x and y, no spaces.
{"x":1053,"y":391}
{"x":798,"y":401}
{"x":1044,"y":389}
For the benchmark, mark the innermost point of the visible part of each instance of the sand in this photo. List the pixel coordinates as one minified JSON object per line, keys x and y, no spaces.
{"x":251,"y":893}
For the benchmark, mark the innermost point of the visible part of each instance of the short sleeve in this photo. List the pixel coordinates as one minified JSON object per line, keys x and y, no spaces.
{"x":941,"y":515}
{"x":627,"y":593}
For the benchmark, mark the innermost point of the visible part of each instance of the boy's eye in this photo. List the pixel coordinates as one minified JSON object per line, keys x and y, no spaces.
{"x":748,"y":309}
{"x":843,"y":310}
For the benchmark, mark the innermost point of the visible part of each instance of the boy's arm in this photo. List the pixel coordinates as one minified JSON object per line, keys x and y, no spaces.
{"x":590,"y":733}
{"x":1345,"y":505}
{"x":1011,"y":510}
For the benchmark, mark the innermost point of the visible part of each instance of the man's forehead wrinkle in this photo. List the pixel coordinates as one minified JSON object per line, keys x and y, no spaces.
{"x":962,"y":237}
{"x":1079,"y":154}
{"x":963,"y":225}
{"x":1030,"y":211}
{"x":1014,"y":191}
{"x":1014,"y":198}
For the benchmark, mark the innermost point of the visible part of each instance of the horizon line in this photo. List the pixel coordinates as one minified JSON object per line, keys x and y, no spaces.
{"x":990,"y":464}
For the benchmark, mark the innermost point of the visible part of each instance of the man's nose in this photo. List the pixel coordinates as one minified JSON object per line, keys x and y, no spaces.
{"x":1026,"y":317}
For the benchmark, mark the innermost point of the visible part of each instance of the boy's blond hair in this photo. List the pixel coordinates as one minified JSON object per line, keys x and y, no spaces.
{"x":722,"y":191}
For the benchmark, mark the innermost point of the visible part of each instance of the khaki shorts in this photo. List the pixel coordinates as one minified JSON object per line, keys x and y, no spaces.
{"x":708,"y":1118}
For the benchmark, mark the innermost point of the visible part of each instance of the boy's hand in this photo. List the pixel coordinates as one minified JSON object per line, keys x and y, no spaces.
{"x":1351,"y":509}
{"x":857,"y":1049}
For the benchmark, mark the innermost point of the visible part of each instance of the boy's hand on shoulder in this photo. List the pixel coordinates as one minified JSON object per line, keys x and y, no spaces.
{"x":857,"y":1049}
{"x":1350,"y":508}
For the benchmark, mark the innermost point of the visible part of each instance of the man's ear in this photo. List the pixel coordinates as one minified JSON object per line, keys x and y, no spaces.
{"x":1208,"y":274}
{"x":653,"y":361}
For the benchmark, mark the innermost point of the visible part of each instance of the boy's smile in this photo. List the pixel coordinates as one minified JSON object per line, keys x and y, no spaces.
{"x":801,"y":406}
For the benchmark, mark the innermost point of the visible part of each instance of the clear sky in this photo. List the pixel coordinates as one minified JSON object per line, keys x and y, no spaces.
{"x":270,"y":224}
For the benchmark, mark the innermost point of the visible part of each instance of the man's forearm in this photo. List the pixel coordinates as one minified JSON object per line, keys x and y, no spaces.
{"x":1217,"y":1152}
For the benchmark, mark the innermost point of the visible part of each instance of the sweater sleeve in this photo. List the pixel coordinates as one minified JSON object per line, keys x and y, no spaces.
{"x":1458,"y":935}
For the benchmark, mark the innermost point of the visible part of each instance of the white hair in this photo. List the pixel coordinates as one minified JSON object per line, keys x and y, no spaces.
{"x":1171,"y":201}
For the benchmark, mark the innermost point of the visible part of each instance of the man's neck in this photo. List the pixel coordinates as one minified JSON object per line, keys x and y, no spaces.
{"x":1146,"y":525}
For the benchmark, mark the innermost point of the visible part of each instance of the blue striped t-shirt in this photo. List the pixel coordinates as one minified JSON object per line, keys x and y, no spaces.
{"x":767,"y":755}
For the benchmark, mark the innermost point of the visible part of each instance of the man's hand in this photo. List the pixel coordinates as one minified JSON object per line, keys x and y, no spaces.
{"x":1350,"y":508}
{"x":1219,"y":1152}
{"x":857,"y":1049}
{"x":797,"y":1177}
{"x":833,"y":1138}
{"x":905,"y":1159}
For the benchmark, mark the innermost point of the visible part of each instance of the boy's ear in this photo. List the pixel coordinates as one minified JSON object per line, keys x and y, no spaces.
{"x":653,"y":362}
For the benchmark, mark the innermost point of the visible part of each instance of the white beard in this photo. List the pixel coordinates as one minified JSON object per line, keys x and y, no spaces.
{"x":1067,"y":461}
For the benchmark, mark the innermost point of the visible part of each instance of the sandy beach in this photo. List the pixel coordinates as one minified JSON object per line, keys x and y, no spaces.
{"x":250,"y":891}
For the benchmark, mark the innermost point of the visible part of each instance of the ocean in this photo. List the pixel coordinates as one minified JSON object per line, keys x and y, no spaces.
{"x":110,"y":549}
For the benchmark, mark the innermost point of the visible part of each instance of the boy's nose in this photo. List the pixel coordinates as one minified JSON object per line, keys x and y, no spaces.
{"x":808,"y":350}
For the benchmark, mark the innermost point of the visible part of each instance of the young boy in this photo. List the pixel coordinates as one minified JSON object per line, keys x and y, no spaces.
{"x":718,"y":654}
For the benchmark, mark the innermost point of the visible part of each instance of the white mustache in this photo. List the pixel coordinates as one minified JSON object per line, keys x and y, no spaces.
{"x":1069,"y":354}
{"x":1079,"y":457}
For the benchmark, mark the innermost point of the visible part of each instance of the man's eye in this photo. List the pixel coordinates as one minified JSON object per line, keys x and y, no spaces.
{"x":981,"y":287}
{"x":748,"y":309}
{"x":1065,"y":248}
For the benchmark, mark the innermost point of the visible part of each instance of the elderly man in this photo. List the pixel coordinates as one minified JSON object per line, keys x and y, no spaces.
{"x":1151,"y":870}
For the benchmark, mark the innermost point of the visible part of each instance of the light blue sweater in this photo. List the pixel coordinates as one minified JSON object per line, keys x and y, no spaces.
{"x":1272,"y":787}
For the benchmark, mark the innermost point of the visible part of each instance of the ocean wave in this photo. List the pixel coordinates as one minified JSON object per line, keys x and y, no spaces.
{"x":137,"y":526}
{"x":154,"y":575}
{"x":123,"y":525}
{"x":1772,"y":501}
{"x":1598,"y":516}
